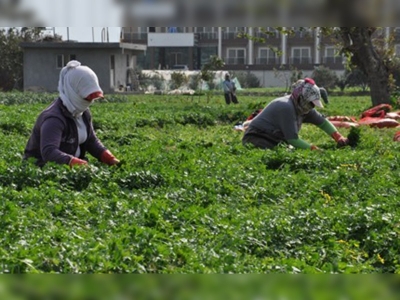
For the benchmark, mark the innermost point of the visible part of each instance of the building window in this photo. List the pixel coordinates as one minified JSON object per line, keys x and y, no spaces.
{"x":302,"y":32}
{"x":266,"y":32}
{"x":330,"y":56}
{"x":236,"y":29}
{"x":175,"y":58}
{"x":63,"y":59}
{"x":301,"y":55}
{"x":205,"y":29}
{"x":128,"y":60}
{"x":236,"y":56}
{"x":112,"y":71}
{"x":128,"y":29}
{"x":267,"y":56}
{"x":207,"y":32}
{"x":112,"y":62}
{"x":141,"y":33}
{"x":232,"y":32}
{"x":60,"y":61}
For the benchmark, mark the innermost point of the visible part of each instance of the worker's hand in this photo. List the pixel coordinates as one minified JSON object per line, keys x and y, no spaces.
{"x":340,"y":140}
{"x":108,"y":158}
{"x":343,"y":142}
{"x":313,"y":147}
{"x":77,"y":162}
{"x":396,"y":137}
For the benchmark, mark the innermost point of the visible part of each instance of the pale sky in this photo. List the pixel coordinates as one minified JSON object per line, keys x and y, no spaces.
{"x":88,"y":34}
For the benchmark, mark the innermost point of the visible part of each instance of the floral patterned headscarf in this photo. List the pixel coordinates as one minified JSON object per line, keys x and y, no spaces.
{"x":306,"y":95}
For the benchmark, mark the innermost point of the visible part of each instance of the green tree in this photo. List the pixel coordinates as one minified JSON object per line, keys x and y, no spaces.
{"x":11,"y":66}
{"x":207,"y":72}
{"x":178,"y":79}
{"x":370,"y":58}
{"x":357,"y":78}
{"x":341,"y":82}
{"x":363,"y":50}
{"x":246,"y":79}
{"x":325,"y":77}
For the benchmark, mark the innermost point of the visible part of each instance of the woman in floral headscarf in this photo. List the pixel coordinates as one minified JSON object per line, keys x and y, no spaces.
{"x":63,"y":132}
{"x":281,"y":120}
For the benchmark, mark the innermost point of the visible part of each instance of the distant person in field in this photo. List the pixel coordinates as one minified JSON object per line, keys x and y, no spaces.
{"x":281,"y":120}
{"x":229,"y":90}
{"x":63,"y":132}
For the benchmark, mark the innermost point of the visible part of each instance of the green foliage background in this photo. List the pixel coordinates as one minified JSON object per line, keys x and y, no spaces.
{"x":189,"y":198}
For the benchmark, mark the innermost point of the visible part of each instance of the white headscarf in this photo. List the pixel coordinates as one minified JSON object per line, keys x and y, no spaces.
{"x":75,"y":84}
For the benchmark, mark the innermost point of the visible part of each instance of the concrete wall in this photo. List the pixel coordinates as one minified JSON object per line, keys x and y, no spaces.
{"x":279,"y":78}
{"x":41,"y":72}
{"x":267,"y":78}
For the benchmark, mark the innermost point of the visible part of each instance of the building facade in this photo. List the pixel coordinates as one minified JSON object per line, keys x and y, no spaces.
{"x":270,"y":52}
{"x":112,"y":62}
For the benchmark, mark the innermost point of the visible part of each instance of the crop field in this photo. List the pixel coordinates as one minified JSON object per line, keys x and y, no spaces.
{"x":189,"y":198}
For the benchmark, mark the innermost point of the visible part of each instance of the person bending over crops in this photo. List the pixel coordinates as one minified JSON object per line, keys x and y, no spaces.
{"x":281,"y":120}
{"x":63,"y":132}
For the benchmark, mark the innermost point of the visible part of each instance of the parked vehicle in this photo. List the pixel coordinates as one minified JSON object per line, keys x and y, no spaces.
{"x":180,"y":67}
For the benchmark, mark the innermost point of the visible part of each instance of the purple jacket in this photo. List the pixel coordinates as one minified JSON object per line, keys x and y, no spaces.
{"x":55,"y":136}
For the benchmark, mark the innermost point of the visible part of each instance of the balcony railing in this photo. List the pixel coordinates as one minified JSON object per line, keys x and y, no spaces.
{"x":300,"y":60}
{"x":332,"y":59}
{"x":303,"y":33}
{"x":269,"y":35}
{"x":267,"y":60}
{"x":207,"y":35}
{"x":235,"y":60}
{"x":230,"y":35}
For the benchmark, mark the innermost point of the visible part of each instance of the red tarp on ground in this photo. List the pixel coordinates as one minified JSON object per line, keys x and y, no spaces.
{"x":379,"y":122}
{"x":344,"y":124}
{"x":378,"y":116}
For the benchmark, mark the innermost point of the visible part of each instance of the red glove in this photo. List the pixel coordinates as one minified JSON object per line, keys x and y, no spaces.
{"x":396,"y":137}
{"x":77,"y":162}
{"x":108,"y":158}
{"x":340,"y":139}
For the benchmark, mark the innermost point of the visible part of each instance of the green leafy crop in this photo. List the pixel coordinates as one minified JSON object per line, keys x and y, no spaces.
{"x":190,"y":198}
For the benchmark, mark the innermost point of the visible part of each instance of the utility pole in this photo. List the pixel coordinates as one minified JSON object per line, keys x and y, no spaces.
{"x":104,"y":35}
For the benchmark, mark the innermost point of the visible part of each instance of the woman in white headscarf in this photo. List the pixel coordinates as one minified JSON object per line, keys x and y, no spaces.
{"x":63,"y":132}
{"x":281,"y":120}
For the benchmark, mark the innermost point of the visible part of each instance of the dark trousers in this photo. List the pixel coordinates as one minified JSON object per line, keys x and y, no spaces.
{"x":259,"y":138}
{"x":230,"y":97}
